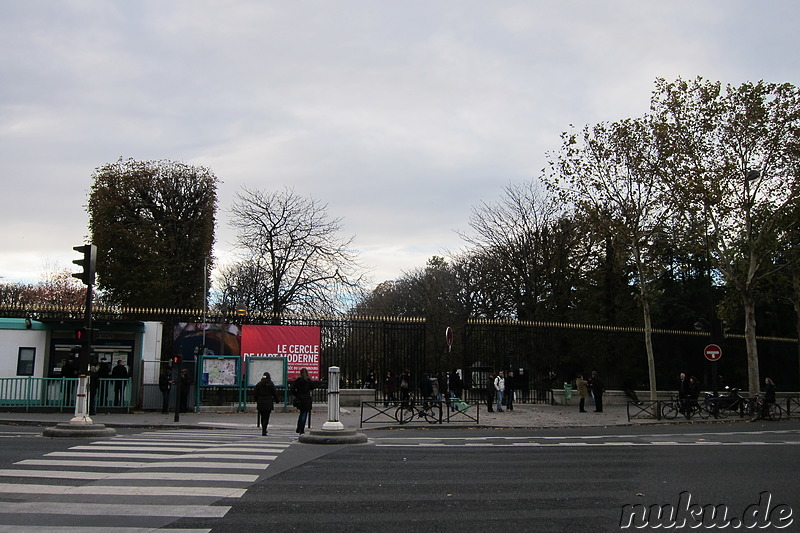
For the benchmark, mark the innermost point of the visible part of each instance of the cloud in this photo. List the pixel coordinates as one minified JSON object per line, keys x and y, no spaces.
{"x":400,"y":116}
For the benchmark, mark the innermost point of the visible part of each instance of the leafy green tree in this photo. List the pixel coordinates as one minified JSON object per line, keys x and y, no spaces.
{"x":733,"y":156}
{"x":153,"y":225}
{"x":610,"y":173}
{"x":432,"y":292}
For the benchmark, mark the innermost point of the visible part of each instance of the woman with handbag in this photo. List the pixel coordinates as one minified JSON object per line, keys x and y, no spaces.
{"x":301,"y":388}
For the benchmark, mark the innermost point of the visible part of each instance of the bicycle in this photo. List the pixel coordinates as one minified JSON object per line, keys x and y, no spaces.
{"x":686,"y":407}
{"x":724,"y":406}
{"x":759,"y":408}
{"x":430,"y":411}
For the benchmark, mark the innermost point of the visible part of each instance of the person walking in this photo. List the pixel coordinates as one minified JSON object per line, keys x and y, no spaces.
{"x":500,"y":387}
{"x":266,"y":397}
{"x":165,"y":382}
{"x":119,"y":374}
{"x":301,"y":388}
{"x":596,"y":384}
{"x":583,"y":391}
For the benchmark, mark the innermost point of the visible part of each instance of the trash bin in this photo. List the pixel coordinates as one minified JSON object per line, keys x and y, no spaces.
{"x":567,"y":393}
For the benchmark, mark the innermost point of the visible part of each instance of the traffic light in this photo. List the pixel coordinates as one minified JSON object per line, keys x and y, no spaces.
{"x":88,"y":263}
{"x":176,"y":359}
{"x":81,"y":334}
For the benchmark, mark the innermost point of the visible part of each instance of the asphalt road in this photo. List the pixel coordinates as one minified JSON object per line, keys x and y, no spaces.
{"x":427,"y":480}
{"x":577,"y":480}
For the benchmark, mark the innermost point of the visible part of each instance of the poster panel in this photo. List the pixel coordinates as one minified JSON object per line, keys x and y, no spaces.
{"x":300,"y":345}
{"x":256,"y":366}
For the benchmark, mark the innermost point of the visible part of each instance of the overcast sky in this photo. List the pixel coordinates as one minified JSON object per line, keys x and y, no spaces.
{"x":401,"y":116}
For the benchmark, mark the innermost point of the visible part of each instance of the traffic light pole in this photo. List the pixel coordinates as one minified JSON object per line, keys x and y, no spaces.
{"x":82,"y":398}
{"x":81,"y":425}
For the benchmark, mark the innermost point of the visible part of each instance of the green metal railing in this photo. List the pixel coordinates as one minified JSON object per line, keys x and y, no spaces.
{"x":60,"y":393}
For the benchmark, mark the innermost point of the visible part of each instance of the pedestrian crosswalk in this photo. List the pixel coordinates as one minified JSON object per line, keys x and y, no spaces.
{"x":135,"y":483}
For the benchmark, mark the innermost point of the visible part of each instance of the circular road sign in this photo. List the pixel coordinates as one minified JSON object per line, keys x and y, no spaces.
{"x":448,"y":335}
{"x":712,"y":352}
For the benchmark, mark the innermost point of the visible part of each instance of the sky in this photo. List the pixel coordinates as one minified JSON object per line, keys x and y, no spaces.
{"x":402,"y":117}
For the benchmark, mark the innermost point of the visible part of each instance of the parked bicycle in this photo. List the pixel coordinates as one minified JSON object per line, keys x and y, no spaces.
{"x":428,"y":410}
{"x":731,"y":402}
{"x":686,"y":407}
{"x":759,"y":408}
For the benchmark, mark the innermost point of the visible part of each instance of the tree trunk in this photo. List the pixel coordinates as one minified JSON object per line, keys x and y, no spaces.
{"x":753,"y":379}
{"x":648,"y":342}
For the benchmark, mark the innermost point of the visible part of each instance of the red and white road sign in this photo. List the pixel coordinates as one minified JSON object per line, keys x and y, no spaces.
{"x":712,"y":352}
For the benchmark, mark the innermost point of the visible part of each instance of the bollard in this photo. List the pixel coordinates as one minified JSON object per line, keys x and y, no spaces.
{"x":333,"y":422}
{"x":333,"y":431}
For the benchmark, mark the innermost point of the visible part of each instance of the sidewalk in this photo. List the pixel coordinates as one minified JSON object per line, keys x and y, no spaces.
{"x":523,"y":416}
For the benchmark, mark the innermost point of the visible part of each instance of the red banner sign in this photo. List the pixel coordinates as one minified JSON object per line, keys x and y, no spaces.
{"x":300,"y":345}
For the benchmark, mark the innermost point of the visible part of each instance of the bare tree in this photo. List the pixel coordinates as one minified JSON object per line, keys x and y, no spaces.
{"x":530,"y":250}
{"x":56,"y":287}
{"x":293,"y":258}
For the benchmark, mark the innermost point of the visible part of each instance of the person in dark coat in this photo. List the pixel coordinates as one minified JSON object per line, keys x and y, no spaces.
{"x":165,"y":382}
{"x":769,"y":391}
{"x":596,"y":384}
{"x":266,"y":398}
{"x":508,"y":395}
{"x":455,"y":385}
{"x":301,"y":388}
{"x":683,"y":395}
{"x":119,"y":373}
{"x":426,"y":387}
{"x":490,"y":393}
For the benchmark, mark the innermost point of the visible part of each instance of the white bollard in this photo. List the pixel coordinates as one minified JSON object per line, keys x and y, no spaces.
{"x":333,"y":423}
{"x":82,"y":402}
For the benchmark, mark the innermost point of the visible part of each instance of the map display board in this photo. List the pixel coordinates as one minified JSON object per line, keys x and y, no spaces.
{"x":220,"y":371}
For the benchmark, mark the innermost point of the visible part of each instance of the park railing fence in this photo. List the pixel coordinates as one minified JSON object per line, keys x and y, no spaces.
{"x":30,"y":393}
